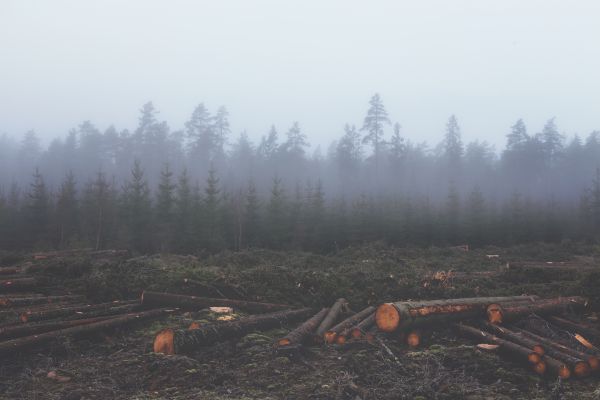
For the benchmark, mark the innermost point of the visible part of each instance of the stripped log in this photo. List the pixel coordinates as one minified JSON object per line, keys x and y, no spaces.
{"x":88,"y":310}
{"x":331,"y":317}
{"x":18,"y":284}
{"x":576,"y":327}
{"x":500,"y":313}
{"x":362,"y":327}
{"x":391,"y":316}
{"x":172,"y":341}
{"x":32,"y":341}
{"x":13,"y":301}
{"x":343,"y":327}
{"x":591,"y":359}
{"x":540,"y":366}
{"x":158,"y":299}
{"x":296,"y":337}
{"x":15,"y":331}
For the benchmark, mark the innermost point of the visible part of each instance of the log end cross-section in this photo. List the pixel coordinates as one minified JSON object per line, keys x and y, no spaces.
{"x":164,"y":342}
{"x":387,"y":317}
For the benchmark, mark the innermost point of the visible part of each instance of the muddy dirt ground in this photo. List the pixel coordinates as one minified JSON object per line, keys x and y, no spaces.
{"x":120,"y":364}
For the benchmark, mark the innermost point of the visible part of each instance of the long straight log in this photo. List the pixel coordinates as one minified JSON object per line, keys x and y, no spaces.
{"x":158,"y":299}
{"x":28,"y":342}
{"x":331,"y":317}
{"x":501,"y":313}
{"x":590,"y":332}
{"x":301,"y":333}
{"x":391,"y":316}
{"x":362,"y":327}
{"x":579,"y":366}
{"x":172,"y":341}
{"x":347,"y":324}
{"x":87,"y":310}
{"x":16,"y":331}
{"x":18,"y":284}
{"x":520,"y":352}
{"x":591,"y":359}
{"x":9,"y":270}
{"x":12,"y":301}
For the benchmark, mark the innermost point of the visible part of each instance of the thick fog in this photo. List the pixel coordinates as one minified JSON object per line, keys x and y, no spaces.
{"x":333,"y":122}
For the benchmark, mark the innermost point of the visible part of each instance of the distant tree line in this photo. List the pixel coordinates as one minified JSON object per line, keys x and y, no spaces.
{"x":154,"y":189}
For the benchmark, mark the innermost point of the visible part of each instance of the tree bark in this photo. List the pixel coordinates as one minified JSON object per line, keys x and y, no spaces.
{"x":522,"y":353}
{"x":171,"y":341}
{"x":391,"y":316}
{"x":157,"y":299}
{"x":16,"y":331}
{"x":300,"y":334}
{"x":9,"y":270}
{"x":501,"y":313}
{"x":517,"y":338}
{"x":342,"y":329}
{"x":29,"y":342}
{"x":331,"y":317}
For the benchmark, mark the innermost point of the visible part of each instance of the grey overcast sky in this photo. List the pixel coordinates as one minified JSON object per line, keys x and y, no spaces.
{"x":318,"y":62}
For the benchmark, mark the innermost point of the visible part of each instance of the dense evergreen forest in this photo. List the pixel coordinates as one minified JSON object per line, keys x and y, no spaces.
{"x":199,"y":188}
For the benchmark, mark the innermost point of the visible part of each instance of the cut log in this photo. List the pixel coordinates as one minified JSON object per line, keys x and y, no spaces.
{"x":371,"y":334}
{"x":12,"y":301}
{"x":331,"y":317}
{"x":578,"y":366}
{"x":15,"y":331}
{"x":519,"y":352}
{"x":391,"y":316}
{"x":343,"y":327}
{"x":158,"y":299}
{"x":500,"y":313}
{"x":18,"y":284}
{"x":591,"y":359}
{"x":85,"y":311}
{"x":362,"y":327}
{"x":516,"y":337}
{"x":172,"y":341}
{"x":589,"y":332}
{"x":300,"y":334}
{"x":413,"y":339}
{"x":29,"y":342}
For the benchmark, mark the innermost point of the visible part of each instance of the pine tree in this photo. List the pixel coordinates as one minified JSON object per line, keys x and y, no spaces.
{"x":453,"y":146}
{"x":517,"y":137}
{"x":373,"y":124}
{"x":165,"y":212}
{"x":38,"y":210}
{"x":67,"y":211}
{"x":137,"y":210}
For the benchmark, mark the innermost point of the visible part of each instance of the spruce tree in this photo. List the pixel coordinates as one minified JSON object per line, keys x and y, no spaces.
{"x":67,"y":211}
{"x":165,"y":212}
{"x":137,"y":208}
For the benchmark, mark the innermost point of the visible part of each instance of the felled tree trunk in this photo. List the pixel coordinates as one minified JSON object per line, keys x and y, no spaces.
{"x":362,"y":327}
{"x":86,"y":311}
{"x":32,"y":341}
{"x":171,"y":341}
{"x":15,"y":331}
{"x":157,"y":299}
{"x":331,"y":317}
{"x":9,"y":270}
{"x":501,"y":313}
{"x":576,"y":327}
{"x":12,"y":301}
{"x":517,"y":338}
{"x":7,"y":285}
{"x":343,"y":327}
{"x":392,"y":316}
{"x":519,"y":352}
{"x":591,"y":359}
{"x":301,"y":333}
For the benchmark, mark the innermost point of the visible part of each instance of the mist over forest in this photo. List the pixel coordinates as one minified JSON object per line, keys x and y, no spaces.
{"x":155,"y":187}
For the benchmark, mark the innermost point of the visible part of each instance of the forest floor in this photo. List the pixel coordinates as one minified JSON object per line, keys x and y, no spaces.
{"x":121,"y":365}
